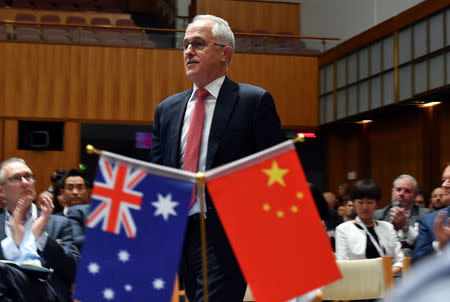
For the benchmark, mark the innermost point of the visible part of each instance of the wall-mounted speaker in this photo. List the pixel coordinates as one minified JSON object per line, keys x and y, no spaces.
{"x":42,"y":136}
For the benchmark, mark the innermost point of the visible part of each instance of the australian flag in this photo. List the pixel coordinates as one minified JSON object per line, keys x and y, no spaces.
{"x":135,"y":231}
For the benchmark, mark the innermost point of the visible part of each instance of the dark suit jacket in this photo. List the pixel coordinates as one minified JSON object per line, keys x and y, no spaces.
{"x":245,"y":121}
{"x":59,"y":253}
{"x":424,"y":245}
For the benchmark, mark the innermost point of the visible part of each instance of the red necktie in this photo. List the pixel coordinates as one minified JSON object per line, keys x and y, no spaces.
{"x":194,"y":137}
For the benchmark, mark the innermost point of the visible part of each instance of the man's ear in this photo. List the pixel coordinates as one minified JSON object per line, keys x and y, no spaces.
{"x":227,"y":53}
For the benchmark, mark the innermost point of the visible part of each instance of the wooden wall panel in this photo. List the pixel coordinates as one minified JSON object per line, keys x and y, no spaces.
{"x":292,"y":80}
{"x":343,"y":154}
{"x":255,"y":15}
{"x":113,"y":84}
{"x":397,"y":148}
{"x":443,"y":111}
{"x":44,"y":162}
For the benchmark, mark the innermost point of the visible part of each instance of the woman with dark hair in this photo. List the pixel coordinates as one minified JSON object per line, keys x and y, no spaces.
{"x":364,"y":237}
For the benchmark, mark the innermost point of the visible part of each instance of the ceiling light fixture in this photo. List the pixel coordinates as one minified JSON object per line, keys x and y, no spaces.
{"x":430,"y":104}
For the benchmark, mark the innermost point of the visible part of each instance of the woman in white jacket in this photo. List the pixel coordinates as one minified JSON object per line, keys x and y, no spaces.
{"x":365,"y":238}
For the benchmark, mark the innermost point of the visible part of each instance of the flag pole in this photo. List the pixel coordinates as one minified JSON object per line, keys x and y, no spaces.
{"x":300,"y":138}
{"x":201,"y":184}
{"x":91,"y":150}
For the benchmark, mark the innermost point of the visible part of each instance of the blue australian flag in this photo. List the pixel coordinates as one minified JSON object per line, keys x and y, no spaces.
{"x":134,"y":234}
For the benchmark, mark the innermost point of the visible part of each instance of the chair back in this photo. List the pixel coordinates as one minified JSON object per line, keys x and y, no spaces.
{"x":361,"y":279}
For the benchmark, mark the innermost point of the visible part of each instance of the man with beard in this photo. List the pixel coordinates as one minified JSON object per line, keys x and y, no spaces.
{"x":437,"y":201}
{"x":403,"y":213}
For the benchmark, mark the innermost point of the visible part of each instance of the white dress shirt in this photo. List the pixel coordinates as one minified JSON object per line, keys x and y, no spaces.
{"x":26,"y":252}
{"x":210,"y":104}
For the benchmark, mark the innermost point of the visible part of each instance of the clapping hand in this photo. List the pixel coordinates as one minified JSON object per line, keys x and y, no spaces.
{"x":46,"y":206}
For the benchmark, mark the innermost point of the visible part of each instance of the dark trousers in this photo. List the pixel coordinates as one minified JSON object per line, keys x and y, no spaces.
{"x":222,"y":286}
{"x":17,"y":286}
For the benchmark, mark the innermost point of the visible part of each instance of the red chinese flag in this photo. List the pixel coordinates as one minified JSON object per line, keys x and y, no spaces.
{"x":270,"y":218}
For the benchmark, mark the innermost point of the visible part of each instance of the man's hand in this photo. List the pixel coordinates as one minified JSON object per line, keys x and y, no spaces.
{"x":399,"y":218}
{"x":46,"y":205}
{"x":15,"y":223}
{"x":441,"y":232}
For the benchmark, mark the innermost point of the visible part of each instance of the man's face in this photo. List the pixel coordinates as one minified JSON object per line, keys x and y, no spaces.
{"x":19,"y":184}
{"x":403,"y":194}
{"x":75,"y":191}
{"x":437,"y":201}
{"x":350,"y":209}
{"x":204,"y":66}
{"x":446,"y":185}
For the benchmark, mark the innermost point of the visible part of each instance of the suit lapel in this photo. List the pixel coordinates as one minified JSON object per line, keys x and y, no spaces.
{"x":2,"y":229}
{"x":226,"y":100}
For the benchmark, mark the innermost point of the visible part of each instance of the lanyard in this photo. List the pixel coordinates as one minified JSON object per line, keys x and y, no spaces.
{"x":375,"y":243}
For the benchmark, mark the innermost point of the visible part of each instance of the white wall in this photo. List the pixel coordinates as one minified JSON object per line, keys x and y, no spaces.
{"x":338,"y":18}
{"x":346,"y":18}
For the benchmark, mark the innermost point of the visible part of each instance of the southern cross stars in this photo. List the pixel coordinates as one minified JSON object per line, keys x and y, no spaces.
{"x":275,"y":174}
{"x":123,"y":256}
{"x":165,"y":206}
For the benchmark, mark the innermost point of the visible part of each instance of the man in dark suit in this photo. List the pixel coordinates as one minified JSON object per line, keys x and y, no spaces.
{"x":403,"y":213}
{"x":236,"y":120}
{"x":29,"y":237}
{"x":434,"y":231}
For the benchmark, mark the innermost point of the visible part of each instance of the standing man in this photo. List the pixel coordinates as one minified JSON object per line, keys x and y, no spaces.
{"x":434,"y":232}
{"x":403,"y":213}
{"x":215,"y":122}
{"x":28,"y":237}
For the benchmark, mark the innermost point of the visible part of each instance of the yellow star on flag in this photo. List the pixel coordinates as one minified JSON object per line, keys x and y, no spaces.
{"x":266,"y":207}
{"x":280,"y":214}
{"x":275,"y":174}
{"x":294,"y":209}
{"x":300,"y":195}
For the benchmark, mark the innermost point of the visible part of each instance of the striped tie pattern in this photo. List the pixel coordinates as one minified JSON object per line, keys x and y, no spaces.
{"x":194,"y":137}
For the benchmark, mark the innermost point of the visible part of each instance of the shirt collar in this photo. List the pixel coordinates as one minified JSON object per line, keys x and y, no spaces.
{"x":32,"y":214}
{"x":213,"y":87}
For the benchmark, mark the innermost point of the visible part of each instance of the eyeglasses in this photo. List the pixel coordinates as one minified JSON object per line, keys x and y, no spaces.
{"x":197,"y":45}
{"x":18,"y":178}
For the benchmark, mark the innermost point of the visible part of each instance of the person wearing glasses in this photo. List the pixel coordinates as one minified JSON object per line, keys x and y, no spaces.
{"x":32,"y":239}
{"x":213,"y":123}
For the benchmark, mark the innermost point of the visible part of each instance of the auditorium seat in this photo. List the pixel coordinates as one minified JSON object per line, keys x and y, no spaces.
{"x":243,"y":42}
{"x":53,"y":34}
{"x":107,"y":36}
{"x":81,"y":35}
{"x":3,"y":32}
{"x":259,"y":43}
{"x":27,"y":32}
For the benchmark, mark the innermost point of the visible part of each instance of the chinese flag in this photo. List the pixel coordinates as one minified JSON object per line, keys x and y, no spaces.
{"x":270,"y":218}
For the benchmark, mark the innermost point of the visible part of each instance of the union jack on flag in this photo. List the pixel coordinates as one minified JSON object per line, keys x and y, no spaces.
{"x":135,"y":231}
{"x":115,"y":190}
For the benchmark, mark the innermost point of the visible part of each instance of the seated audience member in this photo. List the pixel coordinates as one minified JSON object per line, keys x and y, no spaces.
{"x":331,"y":199}
{"x":349,"y":210}
{"x":437,"y":200}
{"x":364,"y":237}
{"x":403,"y":213}
{"x":75,"y":193}
{"x":434,"y":231}
{"x":421,"y":200}
{"x":29,"y":237}
{"x":343,"y":194}
{"x":319,"y":200}
{"x":53,"y":191}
